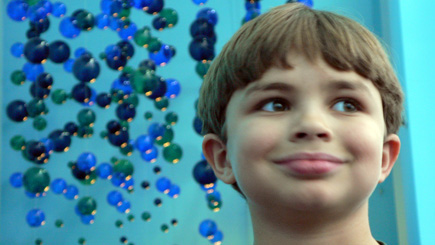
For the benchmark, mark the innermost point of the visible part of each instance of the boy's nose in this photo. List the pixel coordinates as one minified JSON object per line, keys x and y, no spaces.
{"x":310,"y":126}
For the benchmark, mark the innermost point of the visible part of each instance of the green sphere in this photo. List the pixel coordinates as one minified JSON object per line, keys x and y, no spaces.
{"x":86,"y":117}
{"x":167,"y":137}
{"x":36,"y":107}
{"x":87,"y":206}
{"x":38,"y":241}
{"x":125,"y":13}
{"x":148,"y":115}
{"x":123,"y":166}
{"x":146,"y":216}
{"x":142,"y":37}
{"x":117,"y":95}
{"x":171,"y":118}
{"x":59,"y":96}
{"x":215,"y":206}
{"x":90,"y":178}
{"x":170,"y":15}
{"x":162,"y":104}
{"x":164,"y":228}
{"x":18,"y":77}
{"x":127,"y":150}
{"x":82,"y":241}
{"x":39,"y":123}
{"x":85,"y":131}
{"x":172,"y":153}
{"x":18,"y":143}
{"x":59,"y":223}
{"x":36,"y":180}
{"x":202,"y":68}
{"x":130,"y":217}
{"x":144,"y":82}
{"x":119,"y":224}
{"x":132,"y":99}
{"x":154,"y":45}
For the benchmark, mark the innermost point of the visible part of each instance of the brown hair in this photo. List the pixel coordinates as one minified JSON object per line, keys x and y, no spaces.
{"x":266,"y":41}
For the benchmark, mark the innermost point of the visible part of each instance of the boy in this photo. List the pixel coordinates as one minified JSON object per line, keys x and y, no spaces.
{"x":300,"y":113}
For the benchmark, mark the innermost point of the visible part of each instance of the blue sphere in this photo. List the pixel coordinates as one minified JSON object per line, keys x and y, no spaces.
{"x":68,"y":29}
{"x":209,"y":14}
{"x":123,"y":85}
{"x":71,"y":192}
{"x":124,"y":206}
{"x":118,"y":179}
{"x":128,"y":32}
{"x":218,"y":236}
{"x":111,"y":7}
{"x":163,"y":185}
{"x":32,"y":71}
{"x":173,"y":88}
{"x":49,"y":145}
{"x":156,"y":130}
{"x":17,"y":49}
{"x":199,"y":2}
{"x":174,"y":191}
{"x":113,"y":52}
{"x":129,"y":184}
{"x":163,"y":56}
{"x":150,"y":155}
{"x":144,"y":143}
{"x":86,"y":162}
{"x":16,"y":180}
{"x":37,"y":12}
{"x":59,"y":9}
{"x":87,"y":219}
{"x":308,"y":3}
{"x":58,"y":186}
{"x":68,"y":65}
{"x":35,"y":218}
{"x":141,"y":4}
{"x":104,"y":170}
{"x":17,"y":10}
{"x":114,"y":198}
{"x":102,"y":21}
{"x":207,"y":228}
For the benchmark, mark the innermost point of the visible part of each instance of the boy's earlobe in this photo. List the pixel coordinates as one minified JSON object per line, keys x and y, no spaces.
{"x":390,"y":153}
{"x":215,"y":152}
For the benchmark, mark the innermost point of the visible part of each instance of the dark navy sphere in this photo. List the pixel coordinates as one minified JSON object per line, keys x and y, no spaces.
{"x":59,"y":51}
{"x":81,"y":93}
{"x":61,"y":140}
{"x":104,"y":99}
{"x":125,"y":112}
{"x":17,"y":111}
{"x":71,"y":128}
{"x":201,"y":27}
{"x":203,"y":173}
{"x":86,"y":68}
{"x":36,"y":50}
{"x":202,"y":49}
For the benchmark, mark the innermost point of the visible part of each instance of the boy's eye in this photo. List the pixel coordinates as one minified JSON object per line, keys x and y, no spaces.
{"x":347,"y":105}
{"x":275,"y":105}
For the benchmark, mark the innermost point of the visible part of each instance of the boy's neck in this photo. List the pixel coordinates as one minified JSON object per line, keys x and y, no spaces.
{"x":286,"y":227}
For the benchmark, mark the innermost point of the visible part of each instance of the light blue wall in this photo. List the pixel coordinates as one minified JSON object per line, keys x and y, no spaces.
{"x":393,"y":22}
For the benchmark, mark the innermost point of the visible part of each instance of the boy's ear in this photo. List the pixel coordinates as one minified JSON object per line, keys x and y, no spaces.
{"x":390,"y":152}
{"x":215,"y":151}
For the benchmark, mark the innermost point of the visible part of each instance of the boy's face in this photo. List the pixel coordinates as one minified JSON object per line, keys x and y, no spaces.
{"x":276,"y":121}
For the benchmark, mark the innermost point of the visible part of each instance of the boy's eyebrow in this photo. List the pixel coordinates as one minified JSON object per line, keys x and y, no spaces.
{"x":331,"y":85}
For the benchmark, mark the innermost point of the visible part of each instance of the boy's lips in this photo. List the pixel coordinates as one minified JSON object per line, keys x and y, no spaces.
{"x":310,"y":164}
